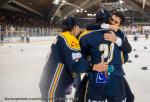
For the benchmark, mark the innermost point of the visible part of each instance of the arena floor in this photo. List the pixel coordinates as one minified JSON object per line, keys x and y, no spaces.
{"x":21,"y":66}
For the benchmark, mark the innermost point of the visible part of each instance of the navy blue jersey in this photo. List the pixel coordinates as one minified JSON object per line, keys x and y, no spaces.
{"x":63,"y":63}
{"x":97,"y":47}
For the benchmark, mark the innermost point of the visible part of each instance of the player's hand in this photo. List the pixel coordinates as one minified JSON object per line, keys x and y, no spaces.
{"x":100,"y":67}
{"x":110,"y":36}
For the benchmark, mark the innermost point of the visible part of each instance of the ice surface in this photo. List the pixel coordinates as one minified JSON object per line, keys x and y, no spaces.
{"x":20,"y":70}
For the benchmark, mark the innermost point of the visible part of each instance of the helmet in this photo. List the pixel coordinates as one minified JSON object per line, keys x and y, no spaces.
{"x":102,"y":16}
{"x":69,"y":22}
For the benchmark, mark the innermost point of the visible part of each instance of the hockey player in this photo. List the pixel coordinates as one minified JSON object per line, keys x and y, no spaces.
{"x":64,"y":64}
{"x":127,"y":46}
{"x":102,"y":16}
{"x":107,"y":48}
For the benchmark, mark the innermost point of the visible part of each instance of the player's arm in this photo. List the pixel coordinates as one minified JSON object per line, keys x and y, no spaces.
{"x":125,"y":45}
{"x":121,"y":41}
{"x":84,"y":46}
{"x":73,"y":59}
{"x":49,"y":69}
{"x":98,"y":66}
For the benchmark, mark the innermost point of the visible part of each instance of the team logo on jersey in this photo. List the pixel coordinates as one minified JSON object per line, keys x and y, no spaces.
{"x":101,"y":77}
{"x":72,"y":43}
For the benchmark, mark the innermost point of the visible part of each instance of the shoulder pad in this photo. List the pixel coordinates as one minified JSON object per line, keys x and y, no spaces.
{"x":84,"y":33}
{"x":71,"y":41}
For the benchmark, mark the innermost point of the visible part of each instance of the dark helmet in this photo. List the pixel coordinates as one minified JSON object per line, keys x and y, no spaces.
{"x":68,"y":23}
{"x":102,"y":16}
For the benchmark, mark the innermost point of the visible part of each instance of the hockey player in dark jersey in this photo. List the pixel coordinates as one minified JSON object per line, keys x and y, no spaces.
{"x":114,"y":21}
{"x":108,"y":49}
{"x":104,"y":18}
{"x":64,"y":65}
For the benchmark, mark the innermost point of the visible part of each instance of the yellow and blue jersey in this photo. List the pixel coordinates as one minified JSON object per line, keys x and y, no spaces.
{"x":64,"y":62}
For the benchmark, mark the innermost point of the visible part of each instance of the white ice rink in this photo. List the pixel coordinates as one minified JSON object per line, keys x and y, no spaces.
{"x":21,"y":66}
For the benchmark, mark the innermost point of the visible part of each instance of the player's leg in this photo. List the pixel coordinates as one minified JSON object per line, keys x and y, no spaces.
{"x":129,"y":94}
{"x":95,"y":94}
{"x":80,"y":93}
